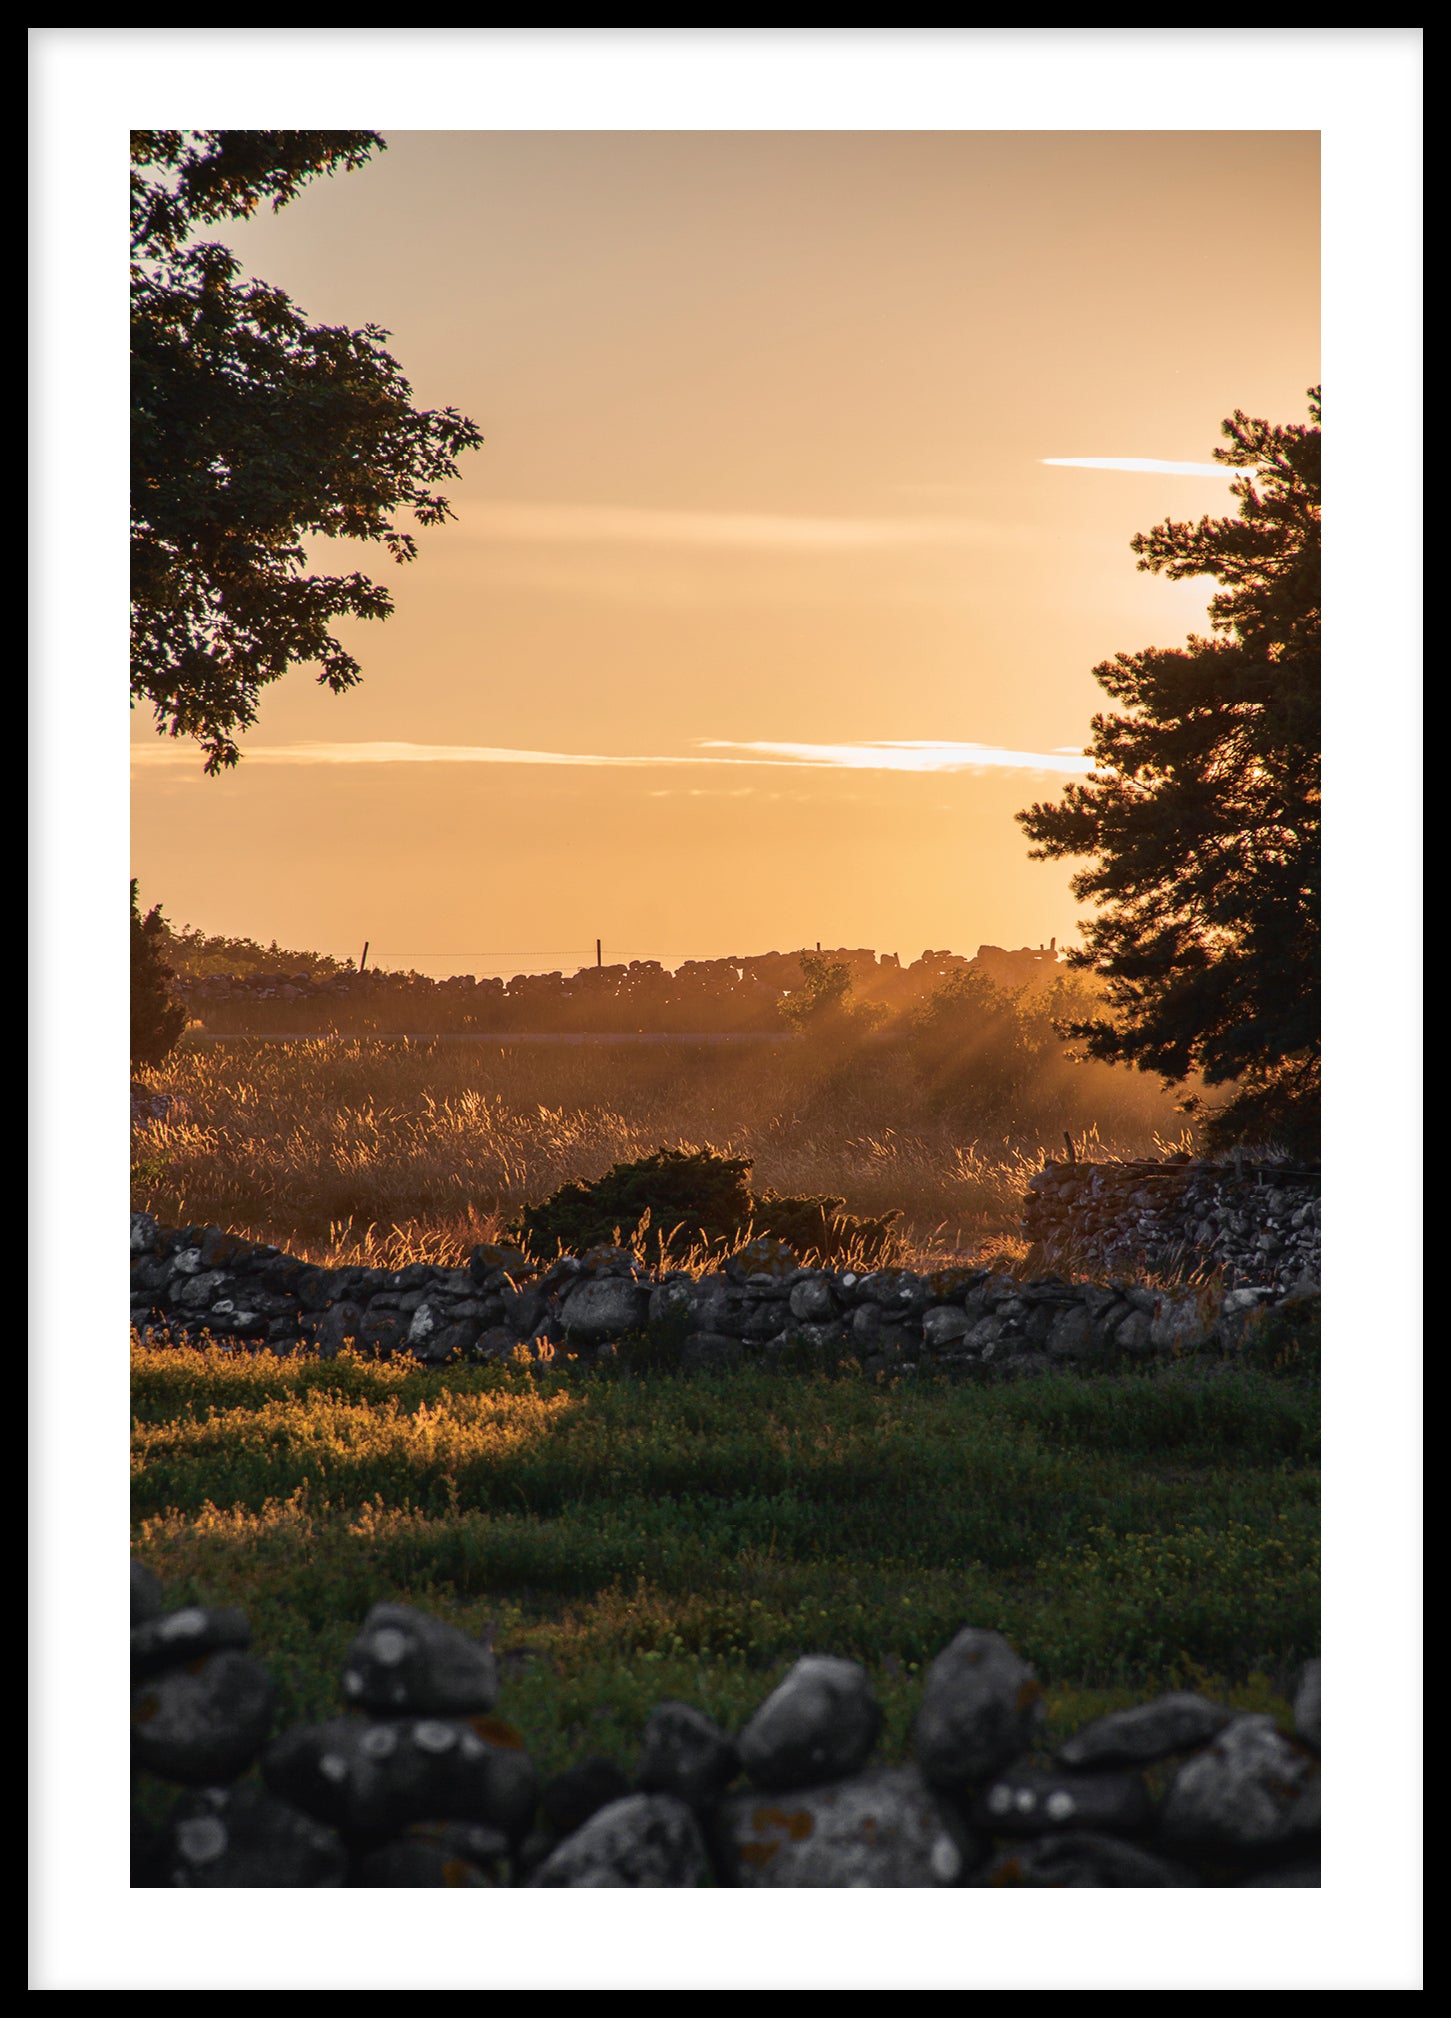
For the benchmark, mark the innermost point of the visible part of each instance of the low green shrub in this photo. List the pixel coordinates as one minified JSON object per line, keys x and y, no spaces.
{"x":693,"y":1198}
{"x":818,"y":1229}
{"x":679,"y":1201}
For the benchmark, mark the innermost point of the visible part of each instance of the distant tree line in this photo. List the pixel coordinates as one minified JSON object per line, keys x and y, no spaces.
{"x":197,"y":955}
{"x":941,"y":1039}
{"x":829,"y":998}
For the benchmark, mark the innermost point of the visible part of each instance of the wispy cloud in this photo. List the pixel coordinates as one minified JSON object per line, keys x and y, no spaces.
{"x":859,"y":756}
{"x":716,"y":792}
{"x":1151,"y":464}
{"x":749,"y":532}
{"x":908,"y":756}
{"x":389,"y":753}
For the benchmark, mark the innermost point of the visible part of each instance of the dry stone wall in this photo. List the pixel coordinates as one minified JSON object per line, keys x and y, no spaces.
{"x":762,"y":1305}
{"x":737,"y":993}
{"x":1257,"y":1223}
{"x":418,"y":1781}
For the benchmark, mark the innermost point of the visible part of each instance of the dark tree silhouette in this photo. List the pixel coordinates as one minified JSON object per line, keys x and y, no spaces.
{"x":252,"y":429}
{"x":156,"y":1020}
{"x":1203,"y":812}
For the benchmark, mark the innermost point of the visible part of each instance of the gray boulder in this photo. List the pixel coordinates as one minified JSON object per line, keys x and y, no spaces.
{"x":608,"y":1307}
{"x":644,"y":1840}
{"x":882,"y":1828}
{"x":1251,"y":1790}
{"x":406,"y":1662}
{"x":1072,"y":1333}
{"x":670,"y":1301}
{"x":1148,"y":1731}
{"x":181,"y":1636}
{"x":820,"y":1724}
{"x":813,"y":1301}
{"x":338,"y":1326}
{"x":497,"y":1343}
{"x":945,"y":1324}
{"x":523,"y":1308}
{"x":202,"y":1724}
{"x":381,"y":1332}
{"x":981,"y":1706}
{"x":685,"y":1754}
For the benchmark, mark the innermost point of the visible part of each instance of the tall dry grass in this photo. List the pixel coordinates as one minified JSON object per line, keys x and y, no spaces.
{"x":354,"y":1151}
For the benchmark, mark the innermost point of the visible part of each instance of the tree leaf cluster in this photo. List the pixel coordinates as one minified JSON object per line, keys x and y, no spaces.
{"x":823,"y":1009}
{"x":252,"y":432}
{"x":200,"y":955}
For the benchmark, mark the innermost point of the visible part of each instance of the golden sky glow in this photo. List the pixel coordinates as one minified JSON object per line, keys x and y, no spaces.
{"x":778,"y":583}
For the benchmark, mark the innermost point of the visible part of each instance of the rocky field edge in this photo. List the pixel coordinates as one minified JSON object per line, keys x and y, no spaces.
{"x":1252,"y":1222}
{"x":418,"y":1781}
{"x":761,"y":1304}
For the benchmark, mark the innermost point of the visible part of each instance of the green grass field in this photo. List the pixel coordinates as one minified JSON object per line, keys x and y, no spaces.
{"x":646,"y":1535}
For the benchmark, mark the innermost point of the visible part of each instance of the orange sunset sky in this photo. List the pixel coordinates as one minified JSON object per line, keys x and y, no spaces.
{"x":774,"y":590}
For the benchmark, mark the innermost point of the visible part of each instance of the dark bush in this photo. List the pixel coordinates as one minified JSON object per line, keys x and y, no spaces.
{"x":818,"y":1229}
{"x":157,"y":1021}
{"x":694,"y":1198}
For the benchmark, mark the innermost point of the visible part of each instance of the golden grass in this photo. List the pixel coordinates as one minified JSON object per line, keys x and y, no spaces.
{"x":356,"y":1152}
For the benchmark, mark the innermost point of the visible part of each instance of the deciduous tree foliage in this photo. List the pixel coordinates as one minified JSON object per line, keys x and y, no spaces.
{"x":156,"y":1020}
{"x":823,"y":1009}
{"x":987,"y":1056}
{"x":251,"y":430}
{"x":1202,"y":814}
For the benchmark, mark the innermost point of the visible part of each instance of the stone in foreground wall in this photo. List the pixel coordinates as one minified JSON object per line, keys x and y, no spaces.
{"x":1257,"y":1222}
{"x":761,"y":1306}
{"x":418,"y":1782}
